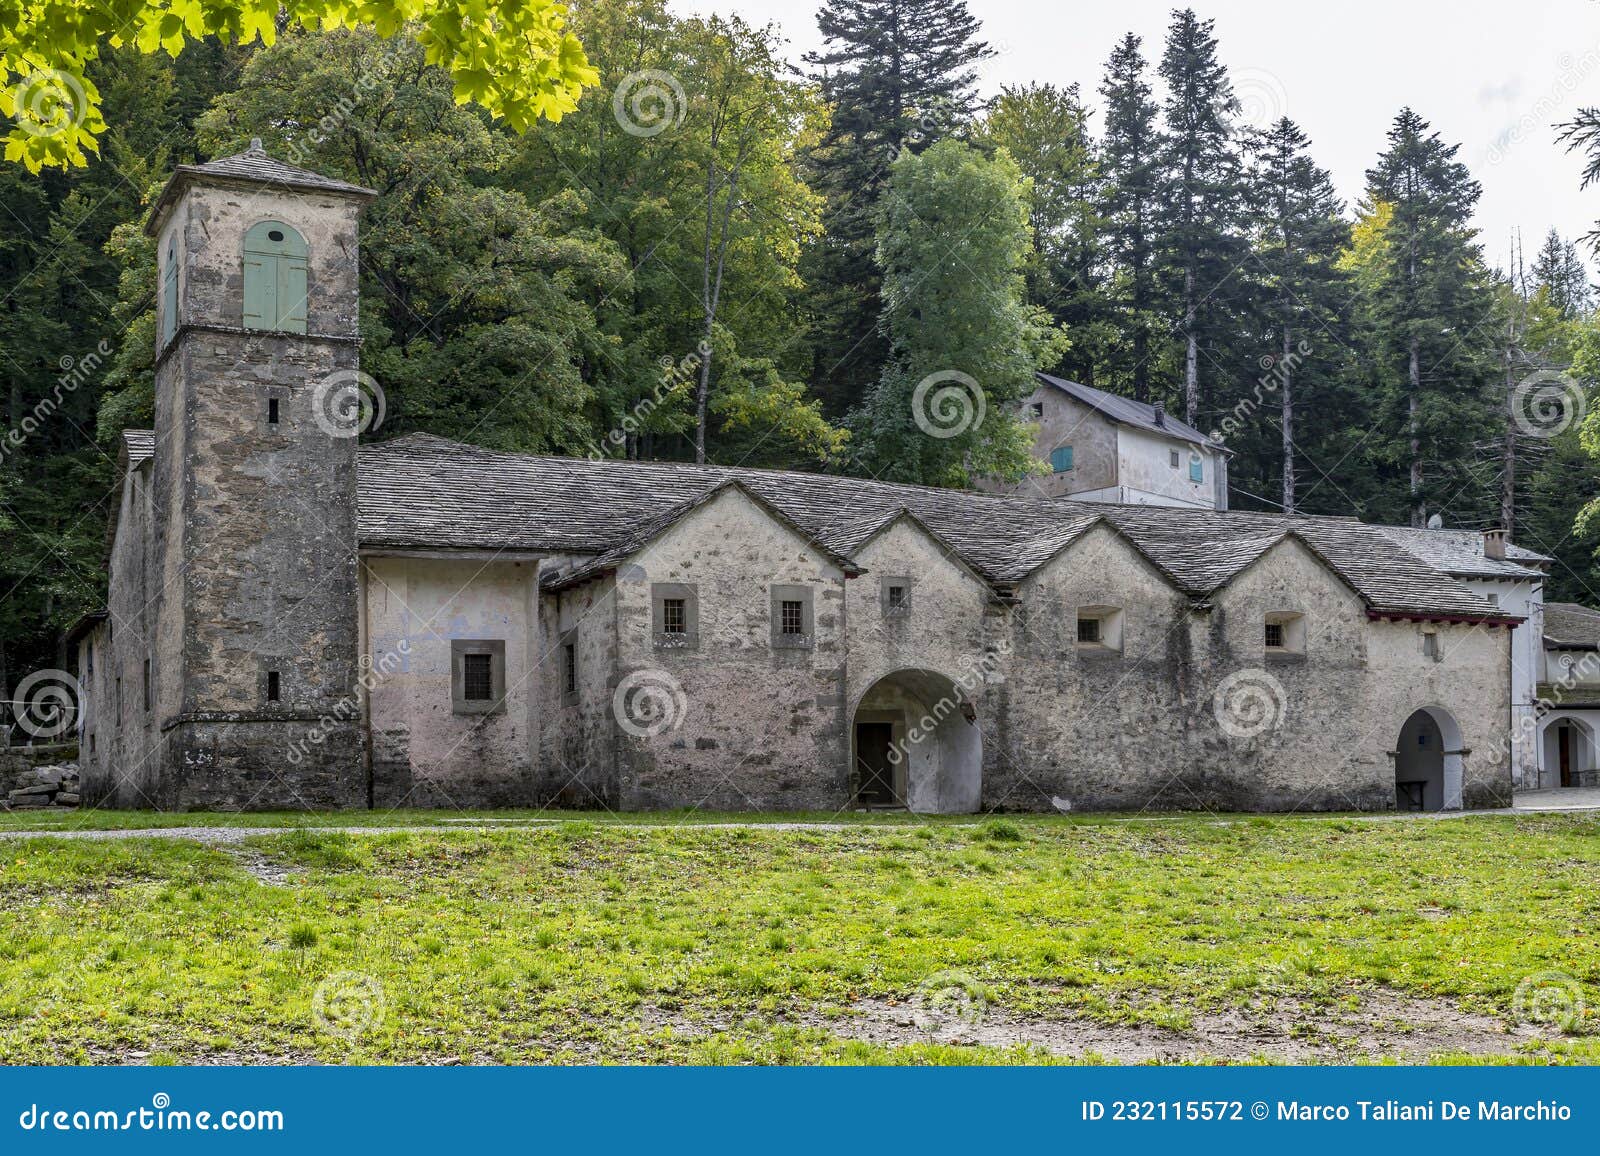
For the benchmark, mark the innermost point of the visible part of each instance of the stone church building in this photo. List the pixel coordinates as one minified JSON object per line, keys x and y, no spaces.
{"x":299,"y":620}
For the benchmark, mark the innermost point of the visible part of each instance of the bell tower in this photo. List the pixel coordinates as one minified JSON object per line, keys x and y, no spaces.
{"x":256,"y":640}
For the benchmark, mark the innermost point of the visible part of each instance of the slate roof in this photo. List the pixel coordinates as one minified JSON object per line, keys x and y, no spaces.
{"x":1126,"y":411}
{"x":1460,"y":552}
{"x":1569,"y":626}
{"x":140,"y":445}
{"x":424,"y":492}
{"x":256,"y":167}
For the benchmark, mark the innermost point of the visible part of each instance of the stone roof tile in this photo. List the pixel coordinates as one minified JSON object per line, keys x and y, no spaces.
{"x":421,"y":491}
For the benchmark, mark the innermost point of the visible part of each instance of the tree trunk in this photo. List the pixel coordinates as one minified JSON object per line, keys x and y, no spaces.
{"x":1419,"y":514}
{"x":1191,"y":360}
{"x":1508,"y":483}
{"x":1287,"y":404}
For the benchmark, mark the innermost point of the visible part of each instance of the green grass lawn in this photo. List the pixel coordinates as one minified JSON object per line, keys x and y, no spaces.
{"x":580,"y":941}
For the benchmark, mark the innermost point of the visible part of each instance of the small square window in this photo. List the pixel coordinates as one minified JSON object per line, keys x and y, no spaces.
{"x":1099,"y":633}
{"x":477,"y":676}
{"x":272,"y":686}
{"x":1061,"y":459}
{"x":674,"y":616}
{"x":1283,"y":635}
{"x":792,"y":622}
{"x":1036,"y":410}
{"x":897,"y":597}
{"x":1430,"y":645}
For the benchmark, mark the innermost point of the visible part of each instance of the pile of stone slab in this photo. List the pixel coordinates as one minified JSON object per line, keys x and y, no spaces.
{"x":44,"y":787}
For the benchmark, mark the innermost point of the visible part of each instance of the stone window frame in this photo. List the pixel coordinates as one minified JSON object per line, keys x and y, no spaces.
{"x":1111,"y":620}
{"x":689,"y":639}
{"x":1293,"y":626}
{"x":1431,"y":648}
{"x":495,"y":648}
{"x":901,"y":609}
{"x":807,"y":599}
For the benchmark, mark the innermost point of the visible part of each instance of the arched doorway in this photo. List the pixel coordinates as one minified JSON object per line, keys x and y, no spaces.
{"x":915,"y":743}
{"x":1428,"y":762}
{"x":1569,"y":748}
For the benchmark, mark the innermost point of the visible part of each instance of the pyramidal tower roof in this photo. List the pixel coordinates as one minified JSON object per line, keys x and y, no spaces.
{"x":251,"y":167}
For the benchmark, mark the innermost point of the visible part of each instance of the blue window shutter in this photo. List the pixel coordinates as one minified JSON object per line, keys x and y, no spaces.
{"x":1061,"y":459}
{"x":1197,"y":470}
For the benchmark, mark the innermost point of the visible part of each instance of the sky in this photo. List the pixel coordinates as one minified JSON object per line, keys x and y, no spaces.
{"x":1491,"y":77}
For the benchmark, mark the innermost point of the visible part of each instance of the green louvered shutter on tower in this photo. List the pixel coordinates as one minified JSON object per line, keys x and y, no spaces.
{"x":274,"y":278}
{"x":169,"y":294}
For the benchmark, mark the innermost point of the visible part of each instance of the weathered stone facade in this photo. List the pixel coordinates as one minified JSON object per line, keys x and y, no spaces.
{"x":232,"y":636}
{"x":430,"y":624}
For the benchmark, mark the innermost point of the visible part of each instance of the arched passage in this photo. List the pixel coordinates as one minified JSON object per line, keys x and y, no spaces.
{"x":1428,"y":762}
{"x":1569,"y":748}
{"x":915,"y":743}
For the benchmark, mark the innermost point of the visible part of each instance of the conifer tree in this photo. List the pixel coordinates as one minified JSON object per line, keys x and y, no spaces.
{"x":899,"y":75}
{"x":1129,"y":172}
{"x":1429,"y":302}
{"x":1559,"y":271}
{"x":1298,"y":233}
{"x":1201,"y":196}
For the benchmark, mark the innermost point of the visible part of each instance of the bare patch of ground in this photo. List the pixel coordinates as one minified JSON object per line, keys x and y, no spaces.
{"x":1383,"y":1026}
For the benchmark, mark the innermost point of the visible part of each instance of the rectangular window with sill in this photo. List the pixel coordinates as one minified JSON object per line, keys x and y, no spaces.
{"x":674,"y":616}
{"x":477,"y":675}
{"x":792,"y":617}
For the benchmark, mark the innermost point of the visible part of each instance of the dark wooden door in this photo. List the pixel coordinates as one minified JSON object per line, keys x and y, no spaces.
{"x":1564,"y":745}
{"x":874,"y":771}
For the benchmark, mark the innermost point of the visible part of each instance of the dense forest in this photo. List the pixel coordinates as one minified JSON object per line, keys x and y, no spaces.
{"x":730,"y":255}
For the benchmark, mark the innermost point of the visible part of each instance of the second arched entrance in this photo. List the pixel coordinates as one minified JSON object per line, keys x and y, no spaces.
{"x":915,"y":744}
{"x":1428,"y":762}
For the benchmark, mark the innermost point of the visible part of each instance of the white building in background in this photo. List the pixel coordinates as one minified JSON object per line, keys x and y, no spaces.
{"x":1569,"y":689}
{"x":1105,"y":448}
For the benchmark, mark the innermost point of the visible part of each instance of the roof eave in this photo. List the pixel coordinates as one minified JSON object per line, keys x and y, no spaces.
{"x":184,"y":175}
